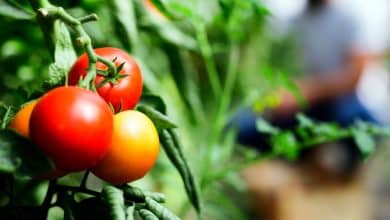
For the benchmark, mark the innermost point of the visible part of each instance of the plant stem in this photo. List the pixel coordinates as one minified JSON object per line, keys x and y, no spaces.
{"x":83,"y":183}
{"x":78,"y":189}
{"x":207,"y":55}
{"x":226,"y":97}
{"x":49,"y":194}
{"x":51,"y":12}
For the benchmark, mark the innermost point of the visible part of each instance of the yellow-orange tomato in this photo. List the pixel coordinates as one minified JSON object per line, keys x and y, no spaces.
{"x":20,"y":123}
{"x":133,"y":150}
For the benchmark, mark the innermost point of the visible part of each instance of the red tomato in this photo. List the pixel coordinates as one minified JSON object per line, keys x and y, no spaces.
{"x":126,"y":92}
{"x":73,"y":126}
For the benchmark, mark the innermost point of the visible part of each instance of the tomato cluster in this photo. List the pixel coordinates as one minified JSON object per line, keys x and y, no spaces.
{"x":77,"y":129}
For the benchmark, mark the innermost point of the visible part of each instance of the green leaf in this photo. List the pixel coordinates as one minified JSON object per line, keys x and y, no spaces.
{"x":285,"y":144}
{"x":364,"y":141}
{"x":10,"y":8}
{"x":147,"y":215}
{"x":130,"y":212}
{"x":64,"y":56}
{"x":114,"y":199}
{"x":125,"y":22}
{"x":160,"y":211}
{"x":172,"y":148}
{"x":263,"y":126}
{"x":160,"y":120}
{"x":64,"y":53}
{"x":328,"y":130}
{"x":154,"y":101}
{"x":20,"y":156}
{"x":136,"y":194}
{"x":304,"y":121}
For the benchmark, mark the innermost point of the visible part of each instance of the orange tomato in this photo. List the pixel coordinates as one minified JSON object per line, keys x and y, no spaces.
{"x":20,"y":122}
{"x":133,"y":150}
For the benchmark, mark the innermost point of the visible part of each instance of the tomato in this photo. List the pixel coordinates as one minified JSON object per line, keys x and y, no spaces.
{"x":73,"y":126}
{"x":133,"y":151}
{"x":20,"y":122}
{"x":126,"y":92}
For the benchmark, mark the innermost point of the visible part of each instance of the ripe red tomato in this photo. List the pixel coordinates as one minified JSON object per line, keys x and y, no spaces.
{"x":126,"y":92}
{"x":133,"y":151}
{"x":73,"y":126}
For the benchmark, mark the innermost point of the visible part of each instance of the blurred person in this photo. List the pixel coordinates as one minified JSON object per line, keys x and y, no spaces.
{"x":333,"y":61}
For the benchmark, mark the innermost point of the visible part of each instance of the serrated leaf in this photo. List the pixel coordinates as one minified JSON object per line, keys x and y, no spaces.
{"x":64,"y":56}
{"x":160,"y":120}
{"x":9,"y":9}
{"x":160,"y":211}
{"x":64,"y":53}
{"x":263,"y":126}
{"x":114,"y":199}
{"x":20,"y":156}
{"x":364,"y":141}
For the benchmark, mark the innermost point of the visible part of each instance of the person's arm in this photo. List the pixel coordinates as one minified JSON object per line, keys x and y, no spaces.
{"x":329,"y":86}
{"x":320,"y":87}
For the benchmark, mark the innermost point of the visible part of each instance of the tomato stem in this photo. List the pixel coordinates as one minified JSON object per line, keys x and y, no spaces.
{"x":88,"y":18}
{"x":83,"y":183}
{"x":83,"y":39}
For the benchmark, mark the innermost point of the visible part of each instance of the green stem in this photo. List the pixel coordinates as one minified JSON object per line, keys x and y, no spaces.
{"x":78,"y":190}
{"x":207,"y":55}
{"x":226,"y":97}
{"x":88,"y":18}
{"x":84,"y":180}
{"x":218,"y":125}
{"x":49,"y":194}
{"x":51,"y":12}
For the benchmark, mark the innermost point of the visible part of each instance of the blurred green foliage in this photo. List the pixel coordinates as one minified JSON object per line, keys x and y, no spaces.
{"x":206,"y":59}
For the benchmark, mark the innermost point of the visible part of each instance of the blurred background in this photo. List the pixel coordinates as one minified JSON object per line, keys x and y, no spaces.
{"x":213,"y":62}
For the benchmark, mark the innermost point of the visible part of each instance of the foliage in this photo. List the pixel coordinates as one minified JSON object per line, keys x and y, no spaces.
{"x":201,"y":62}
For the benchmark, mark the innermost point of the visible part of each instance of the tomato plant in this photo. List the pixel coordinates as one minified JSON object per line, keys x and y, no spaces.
{"x":200,"y":62}
{"x":123,"y":89}
{"x":133,"y":151}
{"x":72,"y":126}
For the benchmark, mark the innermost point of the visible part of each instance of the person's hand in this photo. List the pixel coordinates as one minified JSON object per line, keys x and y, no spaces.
{"x":288,"y":106}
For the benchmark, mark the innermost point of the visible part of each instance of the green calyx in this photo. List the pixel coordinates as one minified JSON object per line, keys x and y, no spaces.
{"x":111,"y":76}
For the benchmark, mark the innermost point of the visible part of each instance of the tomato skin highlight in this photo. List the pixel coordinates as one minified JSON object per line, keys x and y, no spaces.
{"x":73,"y":126}
{"x":123,"y":95}
{"x":134,"y":149}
